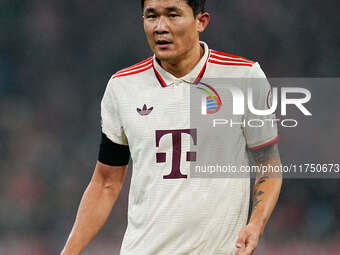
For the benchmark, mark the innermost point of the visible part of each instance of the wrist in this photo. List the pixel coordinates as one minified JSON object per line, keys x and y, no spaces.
{"x":258,"y":225}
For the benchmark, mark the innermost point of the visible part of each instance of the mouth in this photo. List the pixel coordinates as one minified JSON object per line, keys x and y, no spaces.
{"x":163,"y":43}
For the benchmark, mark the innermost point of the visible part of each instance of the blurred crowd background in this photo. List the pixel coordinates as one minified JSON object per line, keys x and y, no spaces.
{"x":55,"y":60}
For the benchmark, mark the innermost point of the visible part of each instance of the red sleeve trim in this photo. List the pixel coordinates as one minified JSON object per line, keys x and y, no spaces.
{"x":265,"y":144}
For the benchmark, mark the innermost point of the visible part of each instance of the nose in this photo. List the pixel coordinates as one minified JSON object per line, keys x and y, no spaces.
{"x":161,"y":25}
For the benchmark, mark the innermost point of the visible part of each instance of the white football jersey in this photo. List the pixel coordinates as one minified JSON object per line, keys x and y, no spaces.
{"x":169,"y":212}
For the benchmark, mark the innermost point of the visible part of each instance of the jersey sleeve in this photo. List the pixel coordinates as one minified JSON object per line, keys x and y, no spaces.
{"x":110,"y":118}
{"x":260,"y":130}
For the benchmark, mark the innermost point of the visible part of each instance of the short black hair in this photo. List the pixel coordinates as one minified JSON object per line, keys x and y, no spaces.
{"x":197,"y":6}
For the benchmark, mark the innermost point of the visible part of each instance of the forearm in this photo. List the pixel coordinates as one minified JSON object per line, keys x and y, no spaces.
{"x":265,"y":195}
{"x":94,"y":209}
{"x":267,"y":186}
{"x":266,"y":192}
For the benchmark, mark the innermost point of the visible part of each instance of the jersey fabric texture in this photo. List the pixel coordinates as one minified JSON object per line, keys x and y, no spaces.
{"x":145,"y":107}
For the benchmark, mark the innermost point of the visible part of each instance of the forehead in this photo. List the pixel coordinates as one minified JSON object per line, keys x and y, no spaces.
{"x":163,"y":4}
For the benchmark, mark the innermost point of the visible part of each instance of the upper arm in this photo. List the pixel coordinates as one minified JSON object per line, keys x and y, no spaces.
{"x":109,"y":176}
{"x":111,"y":121}
{"x":260,"y":130}
{"x":268,"y":160}
{"x":266,"y":155}
{"x":114,"y":151}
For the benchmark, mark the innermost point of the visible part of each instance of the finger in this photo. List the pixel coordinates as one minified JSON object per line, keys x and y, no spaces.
{"x":243,"y":252}
{"x":246,"y":244}
{"x":251,"y":243}
{"x":241,"y":241}
{"x":240,"y":251}
{"x":249,"y":249}
{"x":240,"y":245}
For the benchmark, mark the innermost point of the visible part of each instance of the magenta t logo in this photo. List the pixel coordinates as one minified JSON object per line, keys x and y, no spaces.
{"x":176,"y":150}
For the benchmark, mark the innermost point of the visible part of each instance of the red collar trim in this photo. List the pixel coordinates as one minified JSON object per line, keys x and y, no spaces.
{"x":158,"y":76}
{"x":197,"y":80}
{"x":200,"y":76}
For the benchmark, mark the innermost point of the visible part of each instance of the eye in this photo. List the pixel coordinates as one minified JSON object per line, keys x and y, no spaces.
{"x":173,"y":15}
{"x":151,"y":16}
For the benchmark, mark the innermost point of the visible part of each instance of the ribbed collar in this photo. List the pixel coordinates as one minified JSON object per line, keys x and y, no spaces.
{"x":194,"y":76}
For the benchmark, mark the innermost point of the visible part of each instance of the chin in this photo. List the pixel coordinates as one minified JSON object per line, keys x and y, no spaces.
{"x":165,"y":55}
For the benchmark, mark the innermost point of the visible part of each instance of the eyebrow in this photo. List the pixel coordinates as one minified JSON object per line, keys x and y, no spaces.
{"x":173,"y":9}
{"x":168,"y":9}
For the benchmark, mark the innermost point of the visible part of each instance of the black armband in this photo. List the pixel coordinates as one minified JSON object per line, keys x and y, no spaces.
{"x":113,"y":154}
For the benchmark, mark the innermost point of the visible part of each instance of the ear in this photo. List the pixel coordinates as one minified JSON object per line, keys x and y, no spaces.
{"x":202,"y":21}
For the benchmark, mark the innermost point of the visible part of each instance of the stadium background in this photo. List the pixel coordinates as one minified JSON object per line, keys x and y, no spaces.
{"x":55,"y":60}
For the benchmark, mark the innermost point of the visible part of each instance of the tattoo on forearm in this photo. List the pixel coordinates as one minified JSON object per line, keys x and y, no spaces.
{"x":256,"y":200}
{"x":257,"y":193}
{"x":262,"y":179}
{"x":262,"y":155}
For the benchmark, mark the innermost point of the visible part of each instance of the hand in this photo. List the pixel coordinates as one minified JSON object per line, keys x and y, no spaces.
{"x":248,"y":239}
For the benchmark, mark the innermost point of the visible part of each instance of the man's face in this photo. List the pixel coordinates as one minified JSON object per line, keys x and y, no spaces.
{"x":170,"y":27}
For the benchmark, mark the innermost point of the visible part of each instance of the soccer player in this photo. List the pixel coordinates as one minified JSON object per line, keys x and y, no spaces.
{"x":145,"y":113}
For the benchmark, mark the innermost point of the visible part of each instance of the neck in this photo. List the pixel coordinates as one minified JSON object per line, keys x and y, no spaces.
{"x":186,"y":63}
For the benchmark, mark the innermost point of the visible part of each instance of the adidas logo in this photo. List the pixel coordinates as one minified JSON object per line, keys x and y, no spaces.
{"x":144,"y":111}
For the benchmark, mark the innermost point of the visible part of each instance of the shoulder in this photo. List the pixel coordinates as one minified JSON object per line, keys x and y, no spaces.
{"x":223,"y":58}
{"x":139,"y":68}
{"x":125,"y":80}
{"x":226,"y":64}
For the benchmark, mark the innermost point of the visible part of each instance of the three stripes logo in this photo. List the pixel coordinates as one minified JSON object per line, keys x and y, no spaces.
{"x":211,"y":101}
{"x":145,"y":110}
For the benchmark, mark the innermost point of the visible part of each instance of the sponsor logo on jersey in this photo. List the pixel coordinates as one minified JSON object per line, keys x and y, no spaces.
{"x":176,"y":150}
